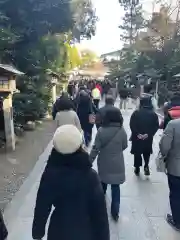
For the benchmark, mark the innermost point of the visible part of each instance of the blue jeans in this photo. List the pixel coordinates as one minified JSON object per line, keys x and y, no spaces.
{"x":115,"y":192}
{"x":174,"y":197}
{"x":87,"y":137}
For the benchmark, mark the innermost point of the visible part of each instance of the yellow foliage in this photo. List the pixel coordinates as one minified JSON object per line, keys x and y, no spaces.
{"x":73,"y":56}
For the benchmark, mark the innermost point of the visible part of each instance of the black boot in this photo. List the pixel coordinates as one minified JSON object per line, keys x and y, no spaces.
{"x":115,"y":217}
{"x":146,"y":171}
{"x":115,"y":211}
{"x":171,"y":222}
{"x":137,"y":171}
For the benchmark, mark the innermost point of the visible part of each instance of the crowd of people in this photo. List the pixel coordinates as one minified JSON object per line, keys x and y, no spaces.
{"x":69,"y":183}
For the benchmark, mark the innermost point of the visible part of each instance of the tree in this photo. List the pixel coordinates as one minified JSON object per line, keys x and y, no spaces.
{"x":161,"y":41}
{"x":73,"y":58}
{"x":85,"y":18}
{"x":33,"y":37}
{"x":29,"y":21}
{"x":133,"y":20}
{"x":88,"y":57}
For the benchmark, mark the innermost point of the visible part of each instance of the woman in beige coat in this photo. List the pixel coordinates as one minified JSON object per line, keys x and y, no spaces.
{"x":66,"y":114}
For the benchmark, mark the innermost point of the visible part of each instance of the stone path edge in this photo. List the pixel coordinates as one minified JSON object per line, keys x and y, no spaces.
{"x":13,"y":208}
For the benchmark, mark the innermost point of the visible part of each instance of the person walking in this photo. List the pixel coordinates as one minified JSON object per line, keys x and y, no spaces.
{"x":109,"y":104}
{"x":86,"y":115}
{"x":144,"y":124}
{"x":170,"y":149}
{"x":66,"y":114}
{"x":110,"y":142}
{"x":171,"y":110}
{"x":70,"y":89}
{"x":98,"y":85}
{"x":70,"y":185}
{"x":106,"y":87}
{"x":123,"y":93}
{"x":147,"y":93}
{"x":3,"y":229}
{"x":56,"y":105}
{"x":96,"y":95}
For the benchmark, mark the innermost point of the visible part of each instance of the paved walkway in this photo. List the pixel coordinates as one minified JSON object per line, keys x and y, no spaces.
{"x":144,"y":203}
{"x":15,"y":166}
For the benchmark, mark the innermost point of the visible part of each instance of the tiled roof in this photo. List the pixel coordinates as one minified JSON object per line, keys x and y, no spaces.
{"x":11,"y":69}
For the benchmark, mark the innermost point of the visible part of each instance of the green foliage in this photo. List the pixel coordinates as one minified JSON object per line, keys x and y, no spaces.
{"x":24,"y":24}
{"x":33,"y":37}
{"x":133,"y":20}
{"x":85,"y":18}
{"x":155,"y":50}
{"x":29,"y":21}
{"x":28,"y":108}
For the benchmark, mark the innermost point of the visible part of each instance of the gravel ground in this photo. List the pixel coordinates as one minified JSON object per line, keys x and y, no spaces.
{"x":16,"y":166}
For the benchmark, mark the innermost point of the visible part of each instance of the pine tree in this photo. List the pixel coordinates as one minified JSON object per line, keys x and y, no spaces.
{"x":133,"y":20}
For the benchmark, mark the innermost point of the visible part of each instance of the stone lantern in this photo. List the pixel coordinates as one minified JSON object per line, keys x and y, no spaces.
{"x":7,"y":88}
{"x":53,"y":77}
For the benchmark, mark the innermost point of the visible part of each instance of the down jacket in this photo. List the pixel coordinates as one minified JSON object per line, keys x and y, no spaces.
{"x":70,"y":185}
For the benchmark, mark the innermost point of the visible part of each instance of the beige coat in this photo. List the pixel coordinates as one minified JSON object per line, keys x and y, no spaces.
{"x":67,"y":117}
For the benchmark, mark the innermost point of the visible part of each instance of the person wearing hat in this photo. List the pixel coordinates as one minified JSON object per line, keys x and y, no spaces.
{"x":70,"y":185}
{"x":144,"y":124}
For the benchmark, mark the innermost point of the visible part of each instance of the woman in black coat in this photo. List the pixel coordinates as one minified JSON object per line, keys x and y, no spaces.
{"x":3,"y":229}
{"x":85,"y":108}
{"x":144,"y":124}
{"x":70,"y":185}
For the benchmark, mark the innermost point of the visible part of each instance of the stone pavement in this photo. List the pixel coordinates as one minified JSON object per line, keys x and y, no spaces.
{"x":144,"y":202}
{"x":15,"y":166}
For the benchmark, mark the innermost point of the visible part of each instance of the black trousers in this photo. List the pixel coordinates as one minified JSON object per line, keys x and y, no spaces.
{"x":138,"y":159}
{"x":96,"y":103}
{"x":174,"y":197}
{"x":115,"y":192}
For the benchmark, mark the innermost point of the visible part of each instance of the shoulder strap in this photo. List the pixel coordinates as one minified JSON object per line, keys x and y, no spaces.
{"x":107,"y":143}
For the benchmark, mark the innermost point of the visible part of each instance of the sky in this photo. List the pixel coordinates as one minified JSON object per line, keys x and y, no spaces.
{"x":107,"y":37}
{"x":110,"y":13}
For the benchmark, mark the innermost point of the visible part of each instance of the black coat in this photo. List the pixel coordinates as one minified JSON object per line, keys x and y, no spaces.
{"x":3,"y":229}
{"x":84,"y":109}
{"x":70,"y":185}
{"x":124,"y":93}
{"x":143,"y":121}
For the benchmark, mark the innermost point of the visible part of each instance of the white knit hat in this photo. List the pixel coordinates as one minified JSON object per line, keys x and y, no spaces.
{"x":67,"y":139}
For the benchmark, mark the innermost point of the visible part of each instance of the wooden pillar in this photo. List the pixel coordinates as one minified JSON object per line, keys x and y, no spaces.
{"x":54,"y":93}
{"x":9,"y":122}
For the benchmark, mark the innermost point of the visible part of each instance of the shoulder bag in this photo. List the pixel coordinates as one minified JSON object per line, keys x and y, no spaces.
{"x":107,"y":143}
{"x":161,"y":163}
